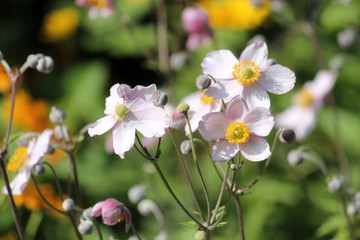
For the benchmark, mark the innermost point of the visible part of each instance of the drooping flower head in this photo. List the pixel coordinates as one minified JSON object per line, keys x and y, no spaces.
{"x":24,"y":159}
{"x":306,"y":103}
{"x":249,"y":76}
{"x":196,"y":23}
{"x":112,"y":212}
{"x":97,"y":8}
{"x":128,"y":110}
{"x":238,"y":129}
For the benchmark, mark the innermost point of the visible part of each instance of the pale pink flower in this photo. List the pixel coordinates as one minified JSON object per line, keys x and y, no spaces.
{"x":128,"y":110}
{"x":112,"y":212}
{"x":196,"y":23}
{"x":199,"y":106}
{"x":36,"y":150}
{"x":301,"y":117}
{"x":248,"y":77}
{"x":238,"y":129}
{"x":97,"y":8}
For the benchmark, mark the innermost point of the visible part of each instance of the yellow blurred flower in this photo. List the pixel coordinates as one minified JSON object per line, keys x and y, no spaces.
{"x":235,"y":14}
{"x":60,"y":24}
{"x":29,"y":114}
{"x":5,"y":82}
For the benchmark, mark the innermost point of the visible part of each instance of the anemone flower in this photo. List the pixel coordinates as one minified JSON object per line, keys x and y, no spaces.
{"x":24,"y":159}
{"x":249,"y":76}
{"x":301,"y":117}
{"x":128,"y":110}
{"x":238,"y":129}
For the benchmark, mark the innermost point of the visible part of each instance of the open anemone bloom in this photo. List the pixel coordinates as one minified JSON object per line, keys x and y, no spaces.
{"x":199,"y":106}
{"x":249,"y":76}
{"x":238,"y":129}
{"x":24,"y":159}
{"x":97,"y":8}
{"x":306,"y":104}
{"x":127,"y":110}
{"x":112,"y":212}
{"x":196,"y":23}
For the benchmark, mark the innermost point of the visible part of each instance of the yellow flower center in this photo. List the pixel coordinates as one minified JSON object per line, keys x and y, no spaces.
{"x":206,"y":100}
{"x":237,"y":133}
{"x":246,"y":72}
{"x":121,"y":217}
{"x":121,"y":110}
{"x":303,"y":98}
{"x":17,"y":159}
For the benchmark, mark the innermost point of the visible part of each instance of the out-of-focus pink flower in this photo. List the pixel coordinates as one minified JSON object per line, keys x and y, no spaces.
{"x":238,"y":129}
{"x":196,"y":23}
{"x":97,"y":8}
{"x":128,"y":110}
{"x":112,"y":212}
{"x":24,"y":161}
{"x":249,"y":76}
{"x":199,"y":106}
{"x":302,"y":115}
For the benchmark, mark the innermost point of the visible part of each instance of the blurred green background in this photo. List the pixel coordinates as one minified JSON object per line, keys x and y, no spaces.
{"x":91,"y":55}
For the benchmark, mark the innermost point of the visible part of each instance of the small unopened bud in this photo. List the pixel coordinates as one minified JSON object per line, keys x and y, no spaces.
{"x":233,"y":166}
{"x":136,"y":193}
{"x":160,"y":98}
{"x":295,"y":158}
{"x":185,"y":147}
{"x":45,"y":64}
{"x":147,"y":206}
{"x":203,"y":82}
{"x":50,"y":150}
{"x":86,"y":227}
{"x":352,"y":209}
{"x":287,"y":136}
{"x":68,"y":204}
{"x":183,"y":108}
{"x":32,"y":59}
{"x":199,"y":235}
{"x":38,"y":169}
{"x":271,"y":62}
{"x":62,"y":133}
{"x":86,"y":214}
{"x":57,"y":115}
{"x":336,"y":183}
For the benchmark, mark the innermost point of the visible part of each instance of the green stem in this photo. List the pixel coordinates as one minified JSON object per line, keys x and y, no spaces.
{"x":240,"y":216}
{"x":56,"y":180}
{"x":33,"y":224}
{"x":134,"y":231}
{"x":98,"y":230}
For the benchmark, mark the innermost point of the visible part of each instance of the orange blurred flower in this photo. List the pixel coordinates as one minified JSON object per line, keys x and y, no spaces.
{"x":5,"y":82}
{"x":9,"y":236}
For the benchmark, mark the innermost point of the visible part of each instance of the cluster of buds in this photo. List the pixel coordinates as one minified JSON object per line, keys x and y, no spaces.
{"x":40,"y":62}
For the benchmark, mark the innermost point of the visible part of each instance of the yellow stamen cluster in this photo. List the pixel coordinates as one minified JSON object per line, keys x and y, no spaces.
{"x":121,"y":217}
{"x":206,"y":100}
{"x":303,"y":98}
{"x":237,"y":133}
{"x":17,"y":159}
{"x":121,"y":110}
{"x":246,"y":73}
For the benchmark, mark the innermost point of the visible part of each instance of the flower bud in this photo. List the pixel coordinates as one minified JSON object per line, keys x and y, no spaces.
{"x":233,"y":166}
{"x":336,"y":183}
{"x":183,"y":108}
{"x":45,"y":64}
{"x":86,"y":227}
{"x":287,"y":136}
{"x":177,"y":60}
{"x":147,"y":206}
{"x":50,"y":150}
{"x":62,"y":133}
{"x":203,"y":82}
{"x":352,"y":209}
{"x":136,"y":193}
{"x":32,"y":59}
{"x":185,"y":147}
{"x":68,"y":204}
{"x":38,"y":169}
{"x":199,"y":235}
{"x":346,"y":38}
{"x":295,"y":158}
{"x":271,"y":62}
{"x":86,"y":214}
{"x":160,"y":98}
{"x":57,"y":115}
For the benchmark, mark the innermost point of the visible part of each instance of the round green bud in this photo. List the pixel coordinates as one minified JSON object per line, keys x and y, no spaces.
{"x":183,"y":108}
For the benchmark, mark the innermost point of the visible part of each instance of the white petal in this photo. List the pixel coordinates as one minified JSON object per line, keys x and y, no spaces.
{"x":256,"y":149}
{"x":259,"y":121}
{"x":142,"y":92}
{"x":301,"y":120}
{"x":123,"y":137}
{"x":219,"y":64}
{"x":193,"y":100}
{"x":224,"y":90}
{"x":224,"y":151}
{"x":114,"y":99}
{"x":40,"y":148}
{"x":255,"y":96}
{"x":19,"y":183}
{"x":323,"y":82}
{"x":277,"y":79}
{"x":148,"y":119}
{"x":102,"y":125}
{"x":236,"y":109}
{"x":213,"y":126}
{"x":257,"y":53}
{"x":196,"y":117}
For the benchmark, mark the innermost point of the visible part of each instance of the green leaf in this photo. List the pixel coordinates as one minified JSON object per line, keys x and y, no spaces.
{"x":191,"y":224}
